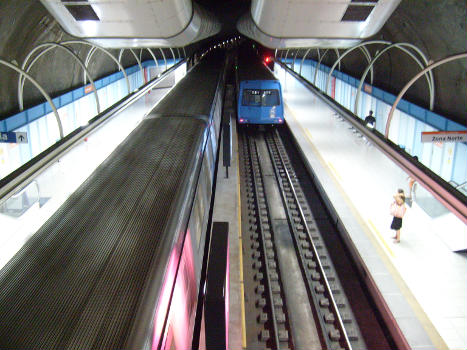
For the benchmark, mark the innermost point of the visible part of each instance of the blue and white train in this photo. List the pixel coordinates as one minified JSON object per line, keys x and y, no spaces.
{"x":259,"y":98}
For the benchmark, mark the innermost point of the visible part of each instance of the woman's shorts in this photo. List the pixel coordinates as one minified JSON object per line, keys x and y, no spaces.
{"x":396,"y":223}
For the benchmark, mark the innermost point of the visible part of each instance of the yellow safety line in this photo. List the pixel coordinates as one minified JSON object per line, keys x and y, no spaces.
{"x":380,"y":236}
{"x":432,"y":332}
{"x":240,"y":255}
{"x":336,"y":174}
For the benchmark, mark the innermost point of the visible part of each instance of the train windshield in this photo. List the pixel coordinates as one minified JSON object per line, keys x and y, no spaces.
{"x":260,"y":98}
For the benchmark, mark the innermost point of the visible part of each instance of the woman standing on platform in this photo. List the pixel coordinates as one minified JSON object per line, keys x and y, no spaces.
{"x":398,"y":210}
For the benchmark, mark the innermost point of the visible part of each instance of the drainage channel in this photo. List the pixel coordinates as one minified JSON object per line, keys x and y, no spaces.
{"x":293,"y":297}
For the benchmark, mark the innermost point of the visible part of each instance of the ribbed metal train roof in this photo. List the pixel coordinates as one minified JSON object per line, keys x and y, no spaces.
{"x":195,"y":94}
{"x":77,"y":282}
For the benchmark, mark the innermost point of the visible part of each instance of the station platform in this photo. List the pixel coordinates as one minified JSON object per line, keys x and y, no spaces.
{"x":53,"y":186}
{"x":422,"y":280}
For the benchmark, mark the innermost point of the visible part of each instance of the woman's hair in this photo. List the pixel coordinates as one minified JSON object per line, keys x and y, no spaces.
{"x":402,"y":197}
{"x":400,"y":190}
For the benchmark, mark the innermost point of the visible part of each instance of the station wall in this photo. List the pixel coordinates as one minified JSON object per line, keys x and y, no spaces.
{"x":75,"y":109}
{"x":448,"y":160}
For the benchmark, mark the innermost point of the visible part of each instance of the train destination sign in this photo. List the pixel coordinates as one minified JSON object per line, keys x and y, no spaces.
{"x":14,"y":137}
{"x":444,"y":136}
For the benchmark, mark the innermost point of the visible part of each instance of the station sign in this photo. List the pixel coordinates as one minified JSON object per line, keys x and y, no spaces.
{"x":444,"y":136}
{"x":88,"y":89}
{"x":14,"y":137}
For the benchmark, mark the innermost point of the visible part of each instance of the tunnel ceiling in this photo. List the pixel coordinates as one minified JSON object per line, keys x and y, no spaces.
{"x":438,"y":28}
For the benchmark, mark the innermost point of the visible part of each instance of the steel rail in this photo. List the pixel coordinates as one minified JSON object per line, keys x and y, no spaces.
{"x":252,"y":147}
{"x":328,"y":291}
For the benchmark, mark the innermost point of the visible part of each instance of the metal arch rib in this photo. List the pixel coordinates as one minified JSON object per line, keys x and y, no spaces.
{"x":139,"y":62}
{"x":303,"y":60}
{"x":36,"y":84}
{"x":366,"y":53}
{"x":338,"y":55}
{"x":319,"y":63}
{"x":69,"y":42}
{"x":321,"y":58}
{"x":120,"y":54}
{"x":16,"y":180}
{"x":86,"y":63}
{"x":173,"y":54}
{"x":285,"y":59}
{"x":153,"y":57}
{"x":295,"y":57}
{"x":74,"y":55}
{"x":163,"y":55}
{"x":20,"y":78}
{"x":347,"y":52}
{"x":402,"y":48}
{"x":415,"y":48}
{"x":413,"y":80}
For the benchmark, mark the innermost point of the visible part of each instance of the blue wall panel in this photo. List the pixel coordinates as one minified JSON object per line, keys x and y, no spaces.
{"x":459,"y":173}
{"x":78,"y":93}
{"x":388,"y":98}
{"x":66,"y":98}
{"x":435,"y":120}
{"x":14,"y":123}
{"x":416,"y":111}
{"x":403,"y":106}
{"x":38,"y":111}
{"x":378,"y":93}
{"x":452,"y":126}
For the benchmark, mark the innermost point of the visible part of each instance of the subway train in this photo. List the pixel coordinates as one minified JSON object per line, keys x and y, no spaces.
{"x":259,"y":99}
{"x":118,"y":265}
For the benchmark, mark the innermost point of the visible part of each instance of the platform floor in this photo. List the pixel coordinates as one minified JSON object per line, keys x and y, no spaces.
{"x":423,"y":282}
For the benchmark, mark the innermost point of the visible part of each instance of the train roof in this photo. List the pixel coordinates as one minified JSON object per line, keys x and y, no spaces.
{"x":253,"y":69}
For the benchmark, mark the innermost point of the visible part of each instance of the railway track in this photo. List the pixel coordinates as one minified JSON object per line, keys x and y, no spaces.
{"x":294,"y":299}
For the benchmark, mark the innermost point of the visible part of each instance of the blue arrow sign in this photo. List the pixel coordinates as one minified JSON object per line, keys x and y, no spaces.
{"x":14,"y":137}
